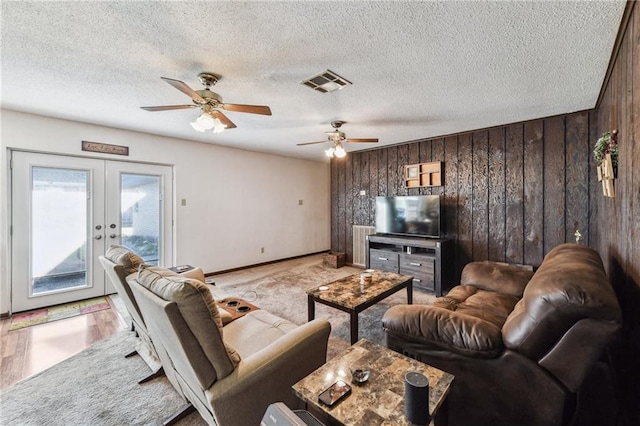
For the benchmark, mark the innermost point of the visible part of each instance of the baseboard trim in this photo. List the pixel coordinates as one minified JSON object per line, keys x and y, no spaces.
{"x":225,"y":271}
{"x":6,"y":315}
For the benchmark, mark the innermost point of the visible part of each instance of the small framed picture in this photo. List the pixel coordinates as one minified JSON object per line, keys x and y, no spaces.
{"x":412,"y":171}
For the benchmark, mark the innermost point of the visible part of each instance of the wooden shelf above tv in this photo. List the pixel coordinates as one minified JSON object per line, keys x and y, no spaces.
{"x":423,"y":174}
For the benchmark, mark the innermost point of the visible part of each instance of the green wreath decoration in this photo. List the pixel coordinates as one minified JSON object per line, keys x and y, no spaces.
{"x":604,"y":146}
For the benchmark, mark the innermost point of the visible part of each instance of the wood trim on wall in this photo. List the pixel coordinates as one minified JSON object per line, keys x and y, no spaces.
{"x":617,"y":231}
{"x":624,"y":22}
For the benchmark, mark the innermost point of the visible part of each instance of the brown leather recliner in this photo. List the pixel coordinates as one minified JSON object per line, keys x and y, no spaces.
{"x":519,"y":344}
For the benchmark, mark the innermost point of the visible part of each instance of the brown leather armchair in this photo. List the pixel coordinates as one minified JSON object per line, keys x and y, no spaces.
{"x":519,"y":344}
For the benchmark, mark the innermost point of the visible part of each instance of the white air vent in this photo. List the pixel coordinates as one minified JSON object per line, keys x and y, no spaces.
{"x":326,"y":81}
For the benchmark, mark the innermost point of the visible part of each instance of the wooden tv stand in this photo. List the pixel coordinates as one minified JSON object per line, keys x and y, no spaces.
{"x":419,"y":257}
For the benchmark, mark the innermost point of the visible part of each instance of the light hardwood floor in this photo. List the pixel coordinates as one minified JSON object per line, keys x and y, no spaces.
{"x":29,"y":350}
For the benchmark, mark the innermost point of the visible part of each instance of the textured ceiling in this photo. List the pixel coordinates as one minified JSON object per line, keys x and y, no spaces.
{"x":419,"y":69}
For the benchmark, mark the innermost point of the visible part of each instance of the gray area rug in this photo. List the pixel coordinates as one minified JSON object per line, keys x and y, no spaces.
{"x":99,"y":386}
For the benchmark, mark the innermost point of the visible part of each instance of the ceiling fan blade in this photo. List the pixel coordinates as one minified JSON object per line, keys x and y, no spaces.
{"x":311,"y":143}
{"x":362,"y":140}
{"x":223,"y":118}
{"x":168,"y":107}
{"x":181,"y":86}
{"x":251,"y":109}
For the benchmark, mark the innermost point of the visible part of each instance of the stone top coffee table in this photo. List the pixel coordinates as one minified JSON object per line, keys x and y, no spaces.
{"x":348,"y":295}
{"x":378,"y":401}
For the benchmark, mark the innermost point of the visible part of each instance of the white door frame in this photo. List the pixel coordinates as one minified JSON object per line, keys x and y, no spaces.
{"x":54,"y":160}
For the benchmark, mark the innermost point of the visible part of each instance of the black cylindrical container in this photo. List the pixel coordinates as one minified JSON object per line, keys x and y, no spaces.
{"x":416,"y":398}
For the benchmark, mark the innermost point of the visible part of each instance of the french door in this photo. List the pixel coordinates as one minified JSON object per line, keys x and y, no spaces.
{"x":66,"y":211}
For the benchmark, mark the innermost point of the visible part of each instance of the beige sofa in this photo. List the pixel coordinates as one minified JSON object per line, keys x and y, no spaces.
{"x":229,"y":373}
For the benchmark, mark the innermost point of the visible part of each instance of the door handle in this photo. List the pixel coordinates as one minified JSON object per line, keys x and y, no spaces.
{"x":417,"y":280}
{"x":98,"y":237}
{"x":415,"y":264}
{"x":98,"y":227}
{"x":383,"y":258}
{"x":113,"y":235}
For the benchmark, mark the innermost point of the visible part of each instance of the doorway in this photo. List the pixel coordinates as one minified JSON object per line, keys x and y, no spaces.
{"x":66,"y":211}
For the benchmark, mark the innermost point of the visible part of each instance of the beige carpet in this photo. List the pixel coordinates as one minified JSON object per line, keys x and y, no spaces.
{"x":281,"y":289}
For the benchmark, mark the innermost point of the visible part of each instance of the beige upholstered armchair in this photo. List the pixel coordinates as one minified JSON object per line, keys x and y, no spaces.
{"x":120,"y":262}
{"x":230,"y":373}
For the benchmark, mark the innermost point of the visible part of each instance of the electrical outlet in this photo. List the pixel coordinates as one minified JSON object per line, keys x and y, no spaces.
{"x":183,"y":202}
{"x":261,"y":249}
{"x":299,"y":202}
{"x":363,"y":192}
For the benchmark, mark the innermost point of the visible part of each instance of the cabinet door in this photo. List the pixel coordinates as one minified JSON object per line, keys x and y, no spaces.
{"x":383,"y":260}
{"x":421,"y":268}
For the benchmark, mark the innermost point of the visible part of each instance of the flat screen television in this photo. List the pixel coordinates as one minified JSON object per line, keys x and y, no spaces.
{"x":409,"y":215}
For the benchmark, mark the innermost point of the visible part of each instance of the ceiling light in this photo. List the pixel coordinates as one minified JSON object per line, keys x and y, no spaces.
{"x":207,"y":122}
{"x":196,"y":126}
{"x":218,"y":126}
{"x":337,"y":150}
{"x":326,"y":81}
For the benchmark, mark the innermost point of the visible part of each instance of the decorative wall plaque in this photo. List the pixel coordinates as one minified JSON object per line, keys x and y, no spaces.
{"x":423,"y":174}
{"x":105,"y":148}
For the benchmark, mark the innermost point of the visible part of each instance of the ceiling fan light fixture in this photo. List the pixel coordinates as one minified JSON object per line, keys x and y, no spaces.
{"x":339,"y":151}
{"x":218,"y":126}
{"x":338,"y":139}
{"x":207,"y":122}
{"x":210,"y":103}
{"x":197,"y":126}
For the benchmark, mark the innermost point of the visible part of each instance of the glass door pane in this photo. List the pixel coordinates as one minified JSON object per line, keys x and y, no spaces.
{"x":139,"y":211}
{"x":140,"y":215}
{"x":59,"y":231}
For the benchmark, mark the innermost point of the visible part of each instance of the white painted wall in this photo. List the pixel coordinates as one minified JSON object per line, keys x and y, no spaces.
{"x":237,"y":201}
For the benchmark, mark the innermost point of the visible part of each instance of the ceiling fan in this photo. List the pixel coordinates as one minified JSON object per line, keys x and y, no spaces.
{"x":210,"y":103}
{"x":337,"y":139}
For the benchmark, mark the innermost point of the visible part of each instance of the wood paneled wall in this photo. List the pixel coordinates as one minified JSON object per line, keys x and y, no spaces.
{"x":511,"y":193}
{"x":618,"y":225}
